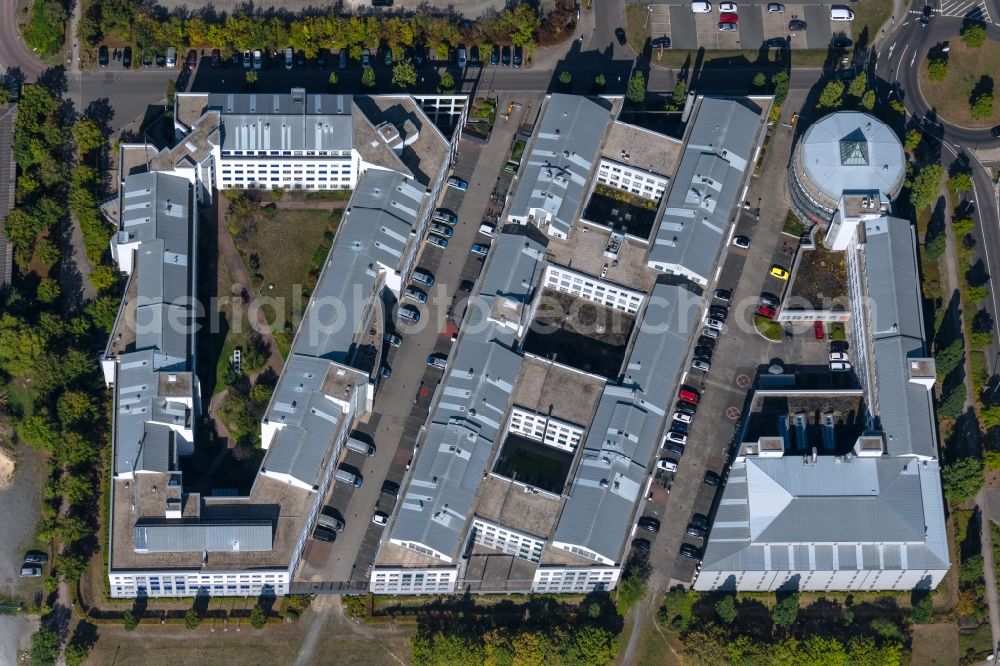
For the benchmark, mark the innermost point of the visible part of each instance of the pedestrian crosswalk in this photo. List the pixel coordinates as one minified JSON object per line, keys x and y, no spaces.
{"x":973,"y":9}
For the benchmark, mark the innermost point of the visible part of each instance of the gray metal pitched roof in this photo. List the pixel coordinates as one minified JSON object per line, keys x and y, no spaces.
{"x":704,"y":192}
{"x":155,"y":450}
{"x":852,"y":135}
{"x":284,"y":121}
{"x":214,"y":536}
{"x":624,"y":434}
{"x":522,"y":261}
{"x":769,"y":504}
{"x":905,"y":410}
{"x":374,"y":232}
{"x":555,"y":171}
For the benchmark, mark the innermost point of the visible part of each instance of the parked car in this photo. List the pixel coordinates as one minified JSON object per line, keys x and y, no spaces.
{"x":723,"y":295}
{"x":289,"y":59}
{"x":518,"y":56}
{"x":685,"y":407}
{"x":818,"y":330}
{"x":649,"y":523}
{"x":838,"y":356}
{"x":660,"y":42}
{"x":700,"y":7}
{"x":667,"y":464}
{"x":703,"y":352}
{"x":321,"y":58}
{"x":687,"y":550}
{"x":457,"y":183}
{"x":127,"y":58}
{"x":160,"y":59}
{"x":688,"y":394}
{"x":841,"y":13}
{"x":30,"y":570}
{"x":258,"y":59}
{"x":640,"y":545}
{"x":474,"y":57}
{"x":718,"y":312}
{"x":409,"y":313}
{"x":147,"y":59}
{"x":423,"y":277}
{"x":696,"y":532}
{"x":714,"y":323}
{"x":437,"y":361}
{"x":446,"y":216}
{"x":463,"y":61}
{"x":342,"y":59}
{"x":678,"y":426}
{"x":437,"y":241}
{"x":171,"y":57}
{"x":727,"y":6}
{"x":481,"y":249}
{"x":381,"y":3}
{"x":673,"y":447}
{"x":247,"y":59}
{"x":388,"y":57}
{"x":770,"y":299}
{"x":415,"y":294}
{"x":442,"y":230}
{"x":727,"y":27}
{"x":385,"y":372}
{"x":712,"y":479}
{"x":796,"y":25}
{"x":102,"y":56}
{"x":393,"y":339}
{"x":495,"y":55}
{"x":683,"y":417}
{"x":390,"y":488}
{"x":710,"y":333}
{"x":675,"y":437}
{"x":706,"y":341}
{"x":779,"y":272}
{"x":729,"y":17}
{"x":380,"y":518}
{"x":36,"y":557}
{"x":322,"y":533}
{"x":766,"y":311}
{"x":216,"y":58}
{"x":505,"y":56}
{"x":775,"y":8}
{"x":838,"y":345}
{"x":701,"y":364}
{"x":331,"y":518}
{"x":741,"y":241}
{"x":192,"y":60}
{"x":840,"y":367}
{"x":366,"y":58}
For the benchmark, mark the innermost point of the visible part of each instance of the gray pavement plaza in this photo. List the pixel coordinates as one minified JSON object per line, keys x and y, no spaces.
{"x":402,"y":402}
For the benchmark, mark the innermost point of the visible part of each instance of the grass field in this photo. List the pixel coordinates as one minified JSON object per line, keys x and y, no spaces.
{"x":935,"y":644}
{"x":968,"y":69}
{"x":656,"y":645}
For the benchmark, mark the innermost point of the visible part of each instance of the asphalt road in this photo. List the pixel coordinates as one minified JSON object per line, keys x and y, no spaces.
{"x":13,"y":52}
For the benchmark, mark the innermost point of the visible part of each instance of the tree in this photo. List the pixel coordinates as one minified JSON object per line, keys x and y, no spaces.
{"x":71,"y":566}
{"x":257,"y":617}
{"x":992,"y":459}
{"x":192,"y":619}
{"x":780,"y":83}
{"x":725,"y":608}
{"x":48,"y":290}
{"x":565,"y":77}
{"x":961,"y":181}
{"x":868,"y":100}
{"x":631,"y":588}
{"x":47,"y":252}
{"x":39,"y":431}
{"x":950,"y":357}
{"x":971,"y":569}
{"x":679,"y":94}
{"x":332,"y":81}
{"x":925,"y":186}
{"x":600,"y":81}
{"x":990,"y":417}
{"x":77,"y":488}
{"x":447,"y":82}
{"x":75,"y":407}
{"x":368,"y":77}
{"x":677,"y":611}
{"x":251,"y":78}
{"x":80,"y":644}
{"x":44,"y":647}
{"x":591,"y":644}
{"x":832,"y":95}
{"x":962,"y":226}
{"x":937,"y":70}
{"x":531,"y":648}
{"x":859,"y":84}
{"x":962,"y":478}
{"x":404,"y":74}
{"x":636,"y":90}
{"x":129,"y":620}
{"x":912,"y":139}
{"x":45,"y":30}
{"x":982,"y":107}
{"x":921,"y":606}
{"x":87,"y":136}
{"x":786,"y":610}
{"x":974,"y":35}
{"x":759,"y":80}
{"x":954,"y":403}
{"x":72,"y":528}
{"x":104,"y":277}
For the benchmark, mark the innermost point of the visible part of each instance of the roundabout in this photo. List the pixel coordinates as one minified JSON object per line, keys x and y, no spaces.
{"x":971,"y":72}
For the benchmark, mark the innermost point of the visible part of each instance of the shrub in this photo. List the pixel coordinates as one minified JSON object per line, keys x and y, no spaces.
{"x":974,"y":35}
{"x":44,"y":647}
{"x":982,"y":107}
{"x":786,"y":610}
{"x":636,"y":90}
{"x":925,"y":186}
{"x":725,"y":608}
{"x":992,"y":459}
{"x":961,"y":181}
{"x":257,"y":617}
{"x":937,"y":70}
{"x":912,"y":139}
{"x":954,"y":403}
{"x":129,"y":621}
{"x":963,"y":478}
{"x":192,"y":619}
{"x":565,"y":78}
{"x":832,"y":95}
{"x":759,"y":80}
{"x":922,"y":610}
{"x":935,"y":247}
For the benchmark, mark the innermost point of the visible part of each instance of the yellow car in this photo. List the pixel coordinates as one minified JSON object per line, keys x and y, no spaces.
{"x":779,"y":272}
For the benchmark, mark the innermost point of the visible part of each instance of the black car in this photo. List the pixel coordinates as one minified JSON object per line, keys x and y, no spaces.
{"x":102,"y":56}
{"x":127,"y":58}
{"x":321,"y":58}
{"x":705,"y":341}
{"x":36,"y":557}
{"x":390,"y":488}
{"x":381,"y":3}
{"x":838,"y":345}
{"x":712,"y":479}
{"x":640,"y":545}
{"x":697,"y":532}
{"x":518,"y":56}
{"x":687,"y":550}
{"x":160,"y":60}
{"x":649,"y":523}
{"x":660,"y":43}
{"x":699,"y":520}
{"x":841,"y":42}
{"x":300,"y":60}
{"x":796,"y":25}
{"x":674,"y":448}
{"x":474,"y":57}
{"x":147,"y":59}
{"x":775,"y":42}
{"x":718,"y":312}
{"x":770,"y":299}
{"x":724,"y":295}
{"x":466,"y":285}
{"x":925,"y":16}
{"x":495,"y":55}
{"x":679,"y":426}
{"x":620,"y":35}
{"x":324,"y":534}
{"x":419,"y":55}
{"x":505,"y":56}
{"x":685,"y":408}
{"x":995,"y":131}
{"x":703,"y":352}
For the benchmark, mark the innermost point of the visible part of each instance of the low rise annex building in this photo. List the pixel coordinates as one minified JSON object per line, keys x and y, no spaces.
{"x":169,"y":541}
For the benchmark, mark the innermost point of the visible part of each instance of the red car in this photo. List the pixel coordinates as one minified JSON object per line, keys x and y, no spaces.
{"x":728,"y":17}
{"x":818,"y":329}
{"x":192,"y":59}
{"x":766,"y":311}
{"x":689,"y":395}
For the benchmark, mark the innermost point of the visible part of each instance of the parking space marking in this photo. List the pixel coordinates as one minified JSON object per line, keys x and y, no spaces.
{"x":685,"y":27}
{"x":964,"y":8}
{"x":659,"y":21}
{"x":733,"y":414}
{"x":743,"y":381}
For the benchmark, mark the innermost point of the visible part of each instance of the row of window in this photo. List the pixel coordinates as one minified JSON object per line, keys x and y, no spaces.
{"x":287,"y":153}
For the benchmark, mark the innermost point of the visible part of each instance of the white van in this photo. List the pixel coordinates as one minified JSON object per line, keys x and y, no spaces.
{"x":701,"y":7}
{"x":841,"y":13}
{"x":358,"y":446}
{"x":487,"y":230}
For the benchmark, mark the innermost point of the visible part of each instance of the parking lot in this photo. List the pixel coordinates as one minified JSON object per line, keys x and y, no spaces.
{"x":756,"y":25}
{"x":403,"y":401}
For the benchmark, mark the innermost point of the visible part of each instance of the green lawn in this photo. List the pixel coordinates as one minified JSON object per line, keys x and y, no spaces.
{"x":330,"y":195}
{"x":870,"y":14}
{"x":769,"y":328}
{"x":966,"y":68}
{"x":793,"y":225}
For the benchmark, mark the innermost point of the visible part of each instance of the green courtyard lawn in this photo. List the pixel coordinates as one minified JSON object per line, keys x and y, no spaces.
{"x":967,"y":69}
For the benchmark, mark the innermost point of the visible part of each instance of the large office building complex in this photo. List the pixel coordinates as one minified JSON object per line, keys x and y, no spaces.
{"x":167,"y":540}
